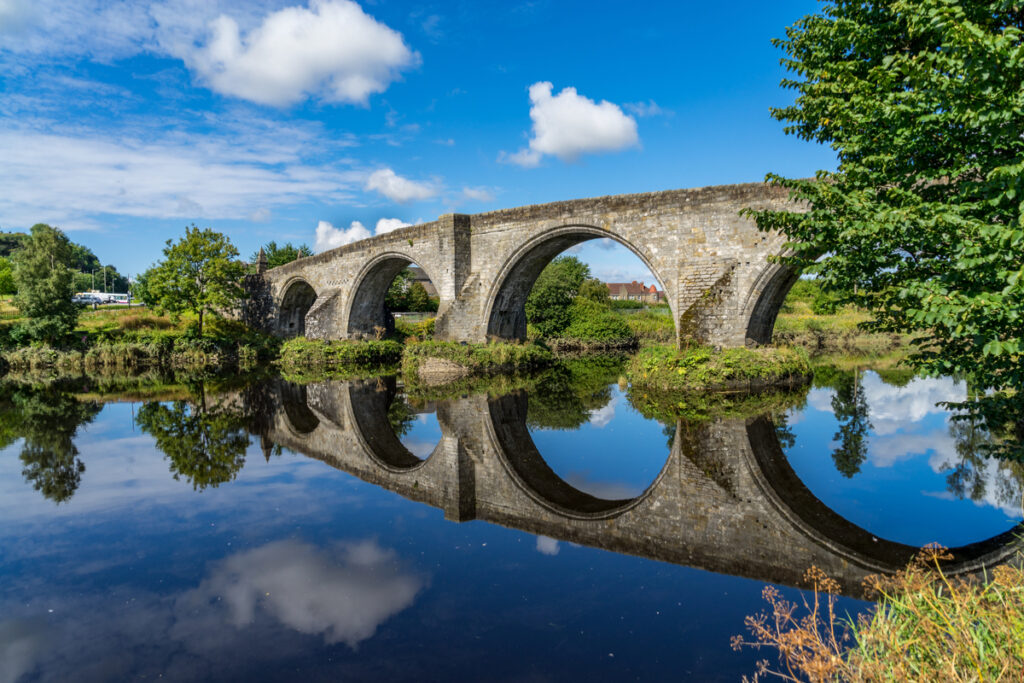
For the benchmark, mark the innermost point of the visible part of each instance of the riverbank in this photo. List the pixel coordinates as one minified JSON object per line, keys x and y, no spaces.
{"x":700,"y":368}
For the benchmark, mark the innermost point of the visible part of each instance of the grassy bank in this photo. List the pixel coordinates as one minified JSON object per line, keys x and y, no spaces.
{"x":315,"y":353}
{"x":669,"y":370}
{"x":136,"y":339}
{"x":926,"y":627}
{"x":435,"y":361}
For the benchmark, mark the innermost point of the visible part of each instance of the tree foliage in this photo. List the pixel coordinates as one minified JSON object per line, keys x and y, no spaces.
{"x":594,"y":290}
{"x":200,"y":274}
{"x":205,"y":443}
{"x":547,"y":306}
{"x":47,"y":421}
{"x":923,"y":103}
{"x":11,"y":242}
{"x":7,"y":286}
{"x":280,"y":255}
{"x":406,"y":294}
{"x":43,"y":278}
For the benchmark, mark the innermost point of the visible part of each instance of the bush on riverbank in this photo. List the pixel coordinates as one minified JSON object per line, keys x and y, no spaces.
{"x":926,"y":627}
{"x":653,"y":326}
{"x":443,"y":361}
{"x":593,"y":327}
{"x":304,"y":353}
{"x":668,"y":369}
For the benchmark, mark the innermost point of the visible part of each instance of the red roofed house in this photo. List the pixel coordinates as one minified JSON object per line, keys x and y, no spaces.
{"x":634,"y":291}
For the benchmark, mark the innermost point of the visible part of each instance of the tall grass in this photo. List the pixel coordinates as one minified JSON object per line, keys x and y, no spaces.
{"x":926,"y":627}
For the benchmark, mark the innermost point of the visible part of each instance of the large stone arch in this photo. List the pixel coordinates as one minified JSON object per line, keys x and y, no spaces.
{"x":367,"y":314}
{"x":504,"y":310}
{"x":296,"y":301}
{"x":370,"y":401}
{"x":788,"y":494}
{"x":527,"y":468}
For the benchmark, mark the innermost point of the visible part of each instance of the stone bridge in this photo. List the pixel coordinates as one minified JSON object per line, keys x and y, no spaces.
{"x":712,"y":263}
{"x":726,"y":499}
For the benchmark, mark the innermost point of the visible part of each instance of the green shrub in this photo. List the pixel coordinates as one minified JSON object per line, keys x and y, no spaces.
{"x":625,"y":304}
{"x":302,"y":352}
{"x":665,"y":368}
{"x":652,"y":325}
{"x":478,"y":358}
{"x":416,"y":331}
{"x":592,"y":321}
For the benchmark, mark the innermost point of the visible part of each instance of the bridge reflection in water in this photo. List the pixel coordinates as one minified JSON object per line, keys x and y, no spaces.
{"x":726,"y":499}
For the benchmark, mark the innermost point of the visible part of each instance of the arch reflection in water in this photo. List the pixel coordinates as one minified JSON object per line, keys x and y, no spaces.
{"x":725,"y":500}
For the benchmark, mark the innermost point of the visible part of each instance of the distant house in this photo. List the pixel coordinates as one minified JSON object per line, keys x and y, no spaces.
{"x":418,"y":275}
{"x":634,"y":291}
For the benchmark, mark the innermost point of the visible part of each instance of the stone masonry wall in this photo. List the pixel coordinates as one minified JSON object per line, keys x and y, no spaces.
{"x":694,"y":241}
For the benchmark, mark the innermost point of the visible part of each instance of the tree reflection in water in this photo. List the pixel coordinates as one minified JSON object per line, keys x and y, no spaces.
{"x":565,"y":397}
{"x":204,"y":440}
{"x":47,"y":420}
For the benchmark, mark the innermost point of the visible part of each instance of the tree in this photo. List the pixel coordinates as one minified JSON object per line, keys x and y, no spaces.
{"x":396,"y":298}
{"x":850,"y":406}
{"x":547,"y":306}
{"x":7,"y":286}
{"x":418,"y":300}
{"x":11,"y":242}
{"x":47,"y":421}
{"x":199,"y":274}
{"x":206,"y":444}
{"x":595,"y":290}
{"x":278,"y":256}
{"x":43,"y":278}
{"x":921,"y":220}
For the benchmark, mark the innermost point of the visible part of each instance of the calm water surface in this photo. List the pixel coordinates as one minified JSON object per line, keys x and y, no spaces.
{"x":352,"y":530}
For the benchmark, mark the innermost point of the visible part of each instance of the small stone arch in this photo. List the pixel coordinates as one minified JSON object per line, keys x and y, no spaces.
{"x":764,"y":301}
{"x":301,"y":421}
{"x":505,"y":309}
{"x":368,"y":316}
{"x":295,"y":304}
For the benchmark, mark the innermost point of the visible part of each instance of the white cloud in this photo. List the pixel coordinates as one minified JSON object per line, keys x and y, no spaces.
{"x":386,"y":225}
{"x":396,"y":188}
{"x":646,"y":109}
{"x":260,"y":215}
{"x":329,"y":237}
{"x":479,"y":194}
{"x":343,"y":598}
{"x":568,"y":125}
{"x":547,"y":546}
{"x":601,"y":417}
{"x":331,"y":50}
{"x":23,"y":642}
{"x":63,"y":178}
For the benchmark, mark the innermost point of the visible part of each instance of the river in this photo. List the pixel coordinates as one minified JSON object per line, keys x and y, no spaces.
{"x":549,"y":529}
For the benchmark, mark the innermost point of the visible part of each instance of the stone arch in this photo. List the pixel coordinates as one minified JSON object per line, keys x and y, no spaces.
{"x":787,"y":493}
{"x":506,"y":315}
{"x":300,"y":420}
{"x":370,"y":401}
{"x":367,"y":314}
{"x":295,"y":304}
{"x":764,"y":301}
{"x":528,"y":469}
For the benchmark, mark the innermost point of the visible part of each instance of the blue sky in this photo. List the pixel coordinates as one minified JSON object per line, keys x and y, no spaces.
{"x":327,"y":120}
